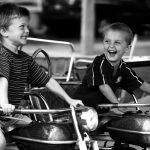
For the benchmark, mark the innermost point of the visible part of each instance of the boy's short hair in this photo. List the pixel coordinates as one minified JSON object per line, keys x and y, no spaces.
{"x":9,"y":11}
{"x":118,"y":26}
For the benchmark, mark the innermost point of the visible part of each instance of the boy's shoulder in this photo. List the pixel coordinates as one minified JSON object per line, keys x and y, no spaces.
{"x":24,"y":53}
{"x":7,"y":53}
{"x":99,"y":57}
{"x":3,"y":51}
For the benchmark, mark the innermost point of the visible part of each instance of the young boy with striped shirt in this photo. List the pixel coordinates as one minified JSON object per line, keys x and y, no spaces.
{"x":16,"y":67}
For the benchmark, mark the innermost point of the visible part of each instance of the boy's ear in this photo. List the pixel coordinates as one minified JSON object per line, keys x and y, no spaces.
{"x":3,"y":32}
{"x":128,"y":48}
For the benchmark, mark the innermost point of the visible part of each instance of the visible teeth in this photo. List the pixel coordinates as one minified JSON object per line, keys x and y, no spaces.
{"x":112,"y":52}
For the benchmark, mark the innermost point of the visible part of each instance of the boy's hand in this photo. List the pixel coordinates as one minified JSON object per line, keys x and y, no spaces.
{"x":76,"y":103}
{"x":7,"y":108}
{"x":117,"y":111}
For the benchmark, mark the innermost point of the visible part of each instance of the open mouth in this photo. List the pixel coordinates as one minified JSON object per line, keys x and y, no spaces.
{"x":24,"y":37}
{"x":112,"y":53}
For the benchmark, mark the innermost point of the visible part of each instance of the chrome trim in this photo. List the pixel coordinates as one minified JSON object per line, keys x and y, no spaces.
{"x":129,"y":131}
{"x":44,"y":141}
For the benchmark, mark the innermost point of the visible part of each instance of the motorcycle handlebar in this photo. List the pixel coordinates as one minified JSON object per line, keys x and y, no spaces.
{"x":43,"y":111}
{"x":122,"y":105}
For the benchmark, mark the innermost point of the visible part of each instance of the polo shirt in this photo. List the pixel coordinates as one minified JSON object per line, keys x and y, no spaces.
{"x":101,"y":72}
{"x":20,"y":69}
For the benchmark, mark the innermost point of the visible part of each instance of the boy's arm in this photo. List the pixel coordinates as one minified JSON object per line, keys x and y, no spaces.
{"x":54,"y":86}
{"x":108,"y":93}
{"x":4,"y":104}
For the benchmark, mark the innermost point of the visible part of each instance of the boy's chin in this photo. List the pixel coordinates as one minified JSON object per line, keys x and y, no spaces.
{"x":113,"y":60}
{"x":23,"y":42}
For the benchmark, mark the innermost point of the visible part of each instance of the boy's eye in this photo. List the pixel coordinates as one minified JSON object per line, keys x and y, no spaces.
{"x":22,"y":27}
{"x":106,"y":41}
{"x":117,"y":43}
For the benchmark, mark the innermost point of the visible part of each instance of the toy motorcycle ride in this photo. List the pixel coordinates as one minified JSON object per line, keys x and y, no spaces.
{"x":67,"y":132}
{"x":132,"y":127}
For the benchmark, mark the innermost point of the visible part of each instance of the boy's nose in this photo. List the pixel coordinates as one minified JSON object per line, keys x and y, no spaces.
{"x":27,"y":30}
{"x":111,"y":45}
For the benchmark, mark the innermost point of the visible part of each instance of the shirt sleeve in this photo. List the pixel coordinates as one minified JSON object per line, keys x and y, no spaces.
{"x":5,"y":65}
{"x":131,"y":81}
{"x":96,"y":73}
{"x":37,"y":76}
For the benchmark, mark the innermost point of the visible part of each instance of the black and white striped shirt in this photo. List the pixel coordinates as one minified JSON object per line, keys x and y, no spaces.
{"x":20,"y":69}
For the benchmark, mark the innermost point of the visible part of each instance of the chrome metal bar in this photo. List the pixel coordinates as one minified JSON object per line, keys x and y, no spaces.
{"x":135,"y":100}
{"x":76,"y":124}
{"x":123,"y":105}
{"x":61,"y":43}
{"x":52,"y":41}
{"x":44,"y":111}
{"x":81,"y":142}
{"x":70,"y":68}
{"x":43,"y":141}
{"x":128,"y":131}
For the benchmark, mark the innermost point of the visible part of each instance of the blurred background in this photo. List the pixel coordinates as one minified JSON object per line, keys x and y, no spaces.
{"x":62,"y":18}
{"x":66,"y":15}
{"x":81,"y":21}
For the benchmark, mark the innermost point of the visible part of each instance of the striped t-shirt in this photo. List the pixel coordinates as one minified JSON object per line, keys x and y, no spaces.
{"x":20,"y":69}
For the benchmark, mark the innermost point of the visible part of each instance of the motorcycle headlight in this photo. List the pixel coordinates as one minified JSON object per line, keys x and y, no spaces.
{"x":89,"y":119}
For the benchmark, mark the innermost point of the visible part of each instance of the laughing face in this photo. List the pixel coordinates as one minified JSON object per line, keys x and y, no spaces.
{"x":115,"y":45}
{"x":18,"y":31}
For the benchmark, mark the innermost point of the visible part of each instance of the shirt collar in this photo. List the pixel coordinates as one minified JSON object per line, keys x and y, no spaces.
{"x":120,"y":64}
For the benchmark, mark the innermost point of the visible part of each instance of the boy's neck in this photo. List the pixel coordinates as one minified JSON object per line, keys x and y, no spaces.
{"x":11,"y":47}
{"x":114,"y":64}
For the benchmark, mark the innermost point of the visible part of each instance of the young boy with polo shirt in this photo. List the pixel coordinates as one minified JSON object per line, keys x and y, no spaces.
{"x":109,"y":72}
